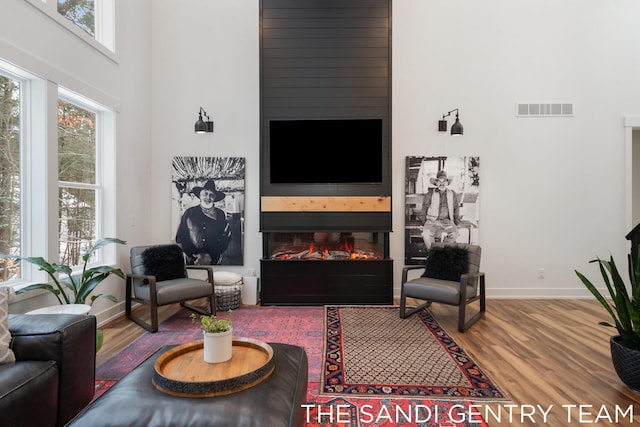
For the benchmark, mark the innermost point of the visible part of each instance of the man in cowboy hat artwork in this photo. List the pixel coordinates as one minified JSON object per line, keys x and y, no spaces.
{"x":204,"y":231}
{"x":442,"y":207}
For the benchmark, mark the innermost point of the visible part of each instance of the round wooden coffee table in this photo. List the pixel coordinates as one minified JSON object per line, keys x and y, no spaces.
{"x":182,"y":371}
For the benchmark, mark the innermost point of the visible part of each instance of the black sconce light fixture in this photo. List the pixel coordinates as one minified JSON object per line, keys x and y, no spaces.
{"x":456,"y":128}
{"x":201,"y":125}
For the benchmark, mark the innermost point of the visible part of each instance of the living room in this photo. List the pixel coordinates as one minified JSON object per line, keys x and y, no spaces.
{"x":556,"y":190}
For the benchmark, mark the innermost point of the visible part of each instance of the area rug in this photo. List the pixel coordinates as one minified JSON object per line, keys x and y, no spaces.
{"x":370,"y":351}
{"x":300,"y":326}
{"x":353,"y":411}
{"x":290,"y":325}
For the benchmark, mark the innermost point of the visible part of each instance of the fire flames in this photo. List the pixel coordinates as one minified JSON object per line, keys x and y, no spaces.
{"x":344,"y":252}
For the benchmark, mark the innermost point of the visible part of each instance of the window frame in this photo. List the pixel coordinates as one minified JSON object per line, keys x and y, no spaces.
{"x":104,"y":40}
{"x":39,"y":172}
{"x":26,"y":270}
{"x":105,"y":180}
{"x":84,"y":103}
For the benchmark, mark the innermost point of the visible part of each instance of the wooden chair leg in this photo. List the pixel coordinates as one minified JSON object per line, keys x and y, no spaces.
{"x":462,"y":313}
{"x":403,"y":303}
{"x":464,"y":325}
{"x":212,"y":304}
{"x":404,"y":313}
{"x":153,"y":306}
{"x":204,"y":311}
{"x":127,"y":298}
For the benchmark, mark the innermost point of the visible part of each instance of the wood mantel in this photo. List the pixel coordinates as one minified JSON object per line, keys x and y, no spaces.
{"x":325,"y":204}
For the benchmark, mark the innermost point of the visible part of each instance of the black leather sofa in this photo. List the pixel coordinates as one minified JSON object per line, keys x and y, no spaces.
{"x":53,"y":377}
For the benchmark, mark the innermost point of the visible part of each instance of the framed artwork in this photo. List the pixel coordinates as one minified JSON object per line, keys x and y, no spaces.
{"x":208,"y":209}
{"x":442,"y":196}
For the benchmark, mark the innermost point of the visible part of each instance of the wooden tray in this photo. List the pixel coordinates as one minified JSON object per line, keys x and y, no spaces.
{"x":183,"y":372}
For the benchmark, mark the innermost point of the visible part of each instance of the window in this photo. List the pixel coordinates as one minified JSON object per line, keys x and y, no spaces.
{"x":79,"y":190}
{"x":10,"y":178}
{"x":91,"y":20}
{"x":80,"y":12}
{"x":55,"y":199}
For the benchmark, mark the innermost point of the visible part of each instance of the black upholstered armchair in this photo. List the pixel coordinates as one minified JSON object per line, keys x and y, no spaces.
{"x":159,"y":277}
{"x":451,"y":276}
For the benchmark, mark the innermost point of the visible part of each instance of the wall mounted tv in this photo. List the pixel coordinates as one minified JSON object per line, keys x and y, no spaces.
{"x":344,"y":151}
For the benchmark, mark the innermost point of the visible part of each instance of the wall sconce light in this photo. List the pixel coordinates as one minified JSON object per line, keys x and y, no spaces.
{"x":201,"y":125}
{"x":456,"y":128}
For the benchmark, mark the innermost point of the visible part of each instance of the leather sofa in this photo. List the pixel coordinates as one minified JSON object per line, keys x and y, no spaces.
{"x":53,"y":377}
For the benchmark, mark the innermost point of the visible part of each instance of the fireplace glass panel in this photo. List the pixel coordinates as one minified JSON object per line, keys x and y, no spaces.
{"x":326,"y":246}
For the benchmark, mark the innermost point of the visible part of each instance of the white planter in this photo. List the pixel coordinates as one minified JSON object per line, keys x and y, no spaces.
{"x":218,"y":346}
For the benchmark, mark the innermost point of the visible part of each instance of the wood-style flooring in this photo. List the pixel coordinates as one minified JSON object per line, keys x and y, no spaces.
{"x":540,"y":352}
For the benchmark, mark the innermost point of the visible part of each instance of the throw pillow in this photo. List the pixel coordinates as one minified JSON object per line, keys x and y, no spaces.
{"x":446,"y":263}
{"x":166,"y":262}
{"x":6,"y":354}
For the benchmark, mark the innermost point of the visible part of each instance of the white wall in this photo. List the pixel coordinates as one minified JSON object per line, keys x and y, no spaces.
{"x":552,"y":188}
{"x":635,"y":178}
{"x":206,"y":54}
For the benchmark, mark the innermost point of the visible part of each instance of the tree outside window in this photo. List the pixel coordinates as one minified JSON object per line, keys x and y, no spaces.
{"x":10,"y":197}
{"x":80,"y":12}
{"x":78,"y":187}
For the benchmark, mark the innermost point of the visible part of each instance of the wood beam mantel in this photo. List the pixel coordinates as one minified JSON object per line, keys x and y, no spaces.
{"x":325,"y":204}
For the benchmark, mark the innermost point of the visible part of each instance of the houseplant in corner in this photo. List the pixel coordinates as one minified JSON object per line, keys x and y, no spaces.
{"x":625,"y":312}
{"x":70,"y":288}
{"x":218,"y":338}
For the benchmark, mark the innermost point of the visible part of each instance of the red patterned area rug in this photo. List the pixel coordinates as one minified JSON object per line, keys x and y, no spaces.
{"x":359,"y":411}
{"x":290,"y":325}
{"x":370,"y":351}
{"x":300,"y":326}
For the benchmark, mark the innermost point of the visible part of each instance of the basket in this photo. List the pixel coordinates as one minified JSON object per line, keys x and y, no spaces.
{"x":228,"y":288}
{"x":228,"y":297}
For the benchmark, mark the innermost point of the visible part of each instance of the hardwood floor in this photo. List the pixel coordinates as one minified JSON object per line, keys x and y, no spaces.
{"x":539,"y":352}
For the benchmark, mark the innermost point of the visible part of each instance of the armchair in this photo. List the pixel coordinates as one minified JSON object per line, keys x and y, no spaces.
{"x":452,"y":276}
{"x":159,"y":277}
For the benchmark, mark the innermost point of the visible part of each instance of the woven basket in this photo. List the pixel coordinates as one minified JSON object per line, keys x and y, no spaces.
{"x":228,"y":287}
{"x":626,"y":361}
{"x":228,"y":297}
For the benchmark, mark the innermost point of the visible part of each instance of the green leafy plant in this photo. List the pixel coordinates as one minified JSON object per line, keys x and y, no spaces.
{"x":74,"y":289}
{"x":625,"y":306}
{"x":70,"y":288}
{"x":211,"y":324}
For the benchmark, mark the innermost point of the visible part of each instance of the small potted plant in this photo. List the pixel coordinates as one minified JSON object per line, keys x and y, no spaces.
{"x":218,"y":337}
{"x":625,"y":312}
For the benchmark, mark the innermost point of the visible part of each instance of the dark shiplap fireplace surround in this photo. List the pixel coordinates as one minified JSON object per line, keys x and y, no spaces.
{"x":325,"y":59}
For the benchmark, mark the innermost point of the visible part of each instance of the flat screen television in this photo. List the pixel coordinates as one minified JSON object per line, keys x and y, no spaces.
{"x":335,"y":151}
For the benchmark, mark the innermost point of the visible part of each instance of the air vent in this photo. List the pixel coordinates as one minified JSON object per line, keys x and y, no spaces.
{"x":544,"y":110}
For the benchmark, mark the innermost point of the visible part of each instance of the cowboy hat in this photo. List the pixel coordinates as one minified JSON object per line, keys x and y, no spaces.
{"x":211,"y":186}
{"x":441,"y":175}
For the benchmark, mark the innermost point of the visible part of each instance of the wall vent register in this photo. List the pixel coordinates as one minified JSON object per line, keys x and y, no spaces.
{"x":544,"y":110}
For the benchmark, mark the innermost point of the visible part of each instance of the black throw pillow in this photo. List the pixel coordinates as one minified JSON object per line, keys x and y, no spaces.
{"x":166,"y":262}
{"x":446,"y":263}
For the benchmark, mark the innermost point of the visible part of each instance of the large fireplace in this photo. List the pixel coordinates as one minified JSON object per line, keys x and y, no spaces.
{"x":324,"y":221}
{"x":325,"y":246}
{"x":316,"y":268}
{"x":325,"y":153}
{"x":326,"y":250}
